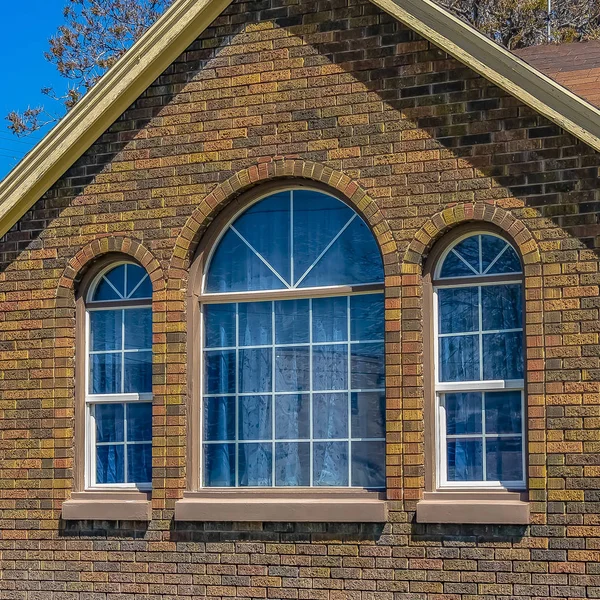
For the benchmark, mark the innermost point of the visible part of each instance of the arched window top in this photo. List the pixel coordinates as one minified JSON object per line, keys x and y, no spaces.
{"x":479,"y":255}
{"x":124,"y":281}
{"x":294,"y":239}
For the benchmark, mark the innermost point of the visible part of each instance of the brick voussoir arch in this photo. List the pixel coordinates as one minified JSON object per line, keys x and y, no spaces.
{"x":89,"y":253}
{"x":458,"y":214}
{"x":199,"y":220}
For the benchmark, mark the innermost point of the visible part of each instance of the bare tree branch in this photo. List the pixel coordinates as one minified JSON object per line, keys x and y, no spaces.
{"x":95,"y":34}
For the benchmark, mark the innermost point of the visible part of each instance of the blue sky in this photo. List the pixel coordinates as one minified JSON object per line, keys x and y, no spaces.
{"x":25,"y":28}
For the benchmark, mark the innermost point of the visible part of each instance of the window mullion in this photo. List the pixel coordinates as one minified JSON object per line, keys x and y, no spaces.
{"x":125,"y":452}
{"x":349,"y":384}
{"x":480,"y":318}
{"x":237,"y":398}
{"x":273,"y":389}
{"x":483,"y":439}
{"x":310,"y":397}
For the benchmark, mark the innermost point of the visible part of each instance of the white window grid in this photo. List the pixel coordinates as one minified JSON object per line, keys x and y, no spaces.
{"x":294,"y":284}
{"x":310,"y":393}
{"x":481,"y":385}
{"x":92,"y":400}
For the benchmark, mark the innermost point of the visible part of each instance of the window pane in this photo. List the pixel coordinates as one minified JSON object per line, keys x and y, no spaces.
{"x":502,"y":307}
{"x":468,"y":250}
{"x":255,"y":418}
{"x":219,"y":419}
{"x":353,"y":258}
{"x":219,"y":465}
{"x":139,"y":421}
{"x":458,"y":309}
{"x":503,"y":356}
{"x":459,"y":358}
{"x":236,"y":268}
{"x":138,"y":328}
{"x":367,"y":317}
{"x":256,"y":370}
{"x":292,"y":322}
{"x":139,"y":463}
{"x":330,"y":416}
{"x":136,"y":279}
{"x":455,"y":267}
{"x":330,"y":319}
{"x":463,"y":413}
{"x":368,"y":366}
{"x":292,"y":369}
{"x":105,"y":376}
{"x":503,"y":412}
{"x":266,"y":226}
{"x":368,"y":414}
{"x":219,"y":372}
{"x":491,"y":247}
{"x":105,"y":329}
{"x":292,"y":464}
{"x":330,"y":367}
{"x":317,"y":220}
{"x":138,"y":372}
{"x":144,"y":290}
{"x":508,"y":263}
{"x":110,"y":464}
{"x":292,"y":416}
{"x":219,"y":325}
{"x":504,"y":459}
{"x":110,"y":422}
{"x":255,"y":323}
{"x":112,"y":285}
{"x":330,"y":463}
{"x":255,"y":469}
{"x":504,"y":260}
{"x":368,"y":464}
{"x":465,"y":460}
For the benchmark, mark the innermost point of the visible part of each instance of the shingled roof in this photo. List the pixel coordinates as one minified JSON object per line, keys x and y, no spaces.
{"x":575,"y":65}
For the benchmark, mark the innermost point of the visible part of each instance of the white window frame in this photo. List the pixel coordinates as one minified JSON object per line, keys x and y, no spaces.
{"x":92,"y":400}
{"x":481,"y":386}
{"x":290,"y":292}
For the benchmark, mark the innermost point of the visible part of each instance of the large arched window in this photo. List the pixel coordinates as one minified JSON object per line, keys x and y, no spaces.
{"x":119,"y":378}
{"x":479,"y":365}
{"x":293,"y":348}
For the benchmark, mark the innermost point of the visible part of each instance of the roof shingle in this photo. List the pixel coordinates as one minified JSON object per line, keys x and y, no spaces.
{"x":575,"y":65}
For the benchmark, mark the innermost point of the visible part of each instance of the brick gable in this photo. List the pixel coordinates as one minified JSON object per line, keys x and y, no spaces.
{"x":276,"y":89}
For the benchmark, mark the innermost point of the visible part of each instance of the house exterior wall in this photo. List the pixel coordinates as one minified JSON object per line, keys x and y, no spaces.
{"x":338,"y":93}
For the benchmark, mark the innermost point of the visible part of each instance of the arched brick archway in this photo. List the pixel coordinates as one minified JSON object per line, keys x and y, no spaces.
{"x":122,"y":245}
{"x":455,"y":215}
{"x":224,"y":193}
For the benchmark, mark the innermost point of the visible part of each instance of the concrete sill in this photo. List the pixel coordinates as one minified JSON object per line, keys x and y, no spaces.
{"x":476,"y":508}
{"x":289,"y":507}
{"x":107,"y":506}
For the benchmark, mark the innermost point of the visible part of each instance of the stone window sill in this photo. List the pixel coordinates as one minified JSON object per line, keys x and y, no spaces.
{"x":299,"y":506}
{"x":474,"y":507}
{"x":108,"y":506}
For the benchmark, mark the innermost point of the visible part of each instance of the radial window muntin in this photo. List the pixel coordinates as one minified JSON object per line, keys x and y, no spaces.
{"x":287,"y":292}
{"x":485,"y":388}
{"x":134,"y":298}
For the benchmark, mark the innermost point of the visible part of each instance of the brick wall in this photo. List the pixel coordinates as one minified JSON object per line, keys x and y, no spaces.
{"x":337,"y":92}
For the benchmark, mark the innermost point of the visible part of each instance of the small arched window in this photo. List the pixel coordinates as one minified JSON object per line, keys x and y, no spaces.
{"x":293,"y":348}
{"x":479,"y":365}
{"x":119,"y":378}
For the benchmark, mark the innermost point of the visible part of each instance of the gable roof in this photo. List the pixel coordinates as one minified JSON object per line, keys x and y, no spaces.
{"x":185,"y":20}
{"x":575,"y":65}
